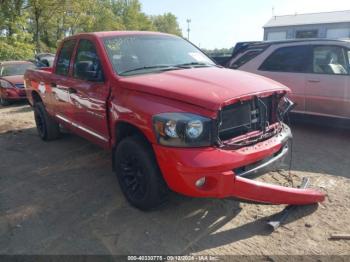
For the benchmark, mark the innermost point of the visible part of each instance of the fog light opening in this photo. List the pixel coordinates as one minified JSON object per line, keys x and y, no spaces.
{"x":200,"y":182}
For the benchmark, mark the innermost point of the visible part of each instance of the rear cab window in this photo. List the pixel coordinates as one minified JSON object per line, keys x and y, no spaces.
{"x":64,"y":57}
{"x":294,"y":59}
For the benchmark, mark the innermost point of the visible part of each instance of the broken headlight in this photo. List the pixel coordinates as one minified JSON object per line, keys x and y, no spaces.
{"x":284,"y":107}
{"x":183,"y":130}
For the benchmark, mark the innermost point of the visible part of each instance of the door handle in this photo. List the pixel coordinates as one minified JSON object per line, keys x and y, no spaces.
{"x":72,"y":90}
{"x":314,"y":81}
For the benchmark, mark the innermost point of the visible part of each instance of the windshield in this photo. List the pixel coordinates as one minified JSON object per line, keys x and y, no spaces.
{"x":15,"y":69}
{"x":138,"y":54}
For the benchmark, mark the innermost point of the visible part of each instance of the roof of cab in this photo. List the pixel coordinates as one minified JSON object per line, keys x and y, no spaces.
{"x":119,"y":33}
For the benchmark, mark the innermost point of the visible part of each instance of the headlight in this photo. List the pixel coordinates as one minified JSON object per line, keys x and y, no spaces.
{"x":194,"y":129}
{"x":6,"y":84}
{"x":284,"y":107}
{"x":170,"y":129}
{"x":183,"y":130}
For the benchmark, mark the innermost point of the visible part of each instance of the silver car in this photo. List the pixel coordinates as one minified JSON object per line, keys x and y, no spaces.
{"x":317,"y":72}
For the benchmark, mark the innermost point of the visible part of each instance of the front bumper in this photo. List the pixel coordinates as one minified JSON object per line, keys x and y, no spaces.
{"x":14,"y":94}
{"x":225,"y":171}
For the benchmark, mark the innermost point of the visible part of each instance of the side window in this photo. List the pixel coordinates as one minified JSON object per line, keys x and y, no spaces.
{"x":245,"y":58}
{"x":63,"y":61}
{"x":87,"y":65}
{"x":288,"y":59}
{"x":330,"y":60}
{"x":306,"y":34}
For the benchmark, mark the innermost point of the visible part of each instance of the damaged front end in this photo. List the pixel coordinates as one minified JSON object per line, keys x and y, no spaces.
{"x":246,"y":125}
{"x":250,"y":121}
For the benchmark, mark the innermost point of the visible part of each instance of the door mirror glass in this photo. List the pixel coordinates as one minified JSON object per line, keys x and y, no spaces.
{"x":86,"y":70}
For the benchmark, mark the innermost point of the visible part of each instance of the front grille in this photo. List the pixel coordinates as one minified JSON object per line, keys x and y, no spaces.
{"x":19,"y":85}
{"x":247,"y":116}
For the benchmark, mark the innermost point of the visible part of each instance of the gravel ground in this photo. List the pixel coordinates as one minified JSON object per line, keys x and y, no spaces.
{"x":63,"y":198}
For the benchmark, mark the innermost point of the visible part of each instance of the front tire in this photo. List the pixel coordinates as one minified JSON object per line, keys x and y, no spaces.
{"x":4,"y":102}
{"x":138,"y":173}
{"x":48,"y":128}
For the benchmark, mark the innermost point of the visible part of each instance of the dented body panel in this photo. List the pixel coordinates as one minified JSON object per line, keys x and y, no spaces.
{"x":94,"y":111}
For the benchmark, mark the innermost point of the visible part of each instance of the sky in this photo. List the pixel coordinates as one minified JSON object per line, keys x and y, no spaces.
{"x":222,"y":23}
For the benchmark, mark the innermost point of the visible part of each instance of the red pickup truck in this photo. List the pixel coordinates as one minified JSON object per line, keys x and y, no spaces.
{"x":171,"y":116}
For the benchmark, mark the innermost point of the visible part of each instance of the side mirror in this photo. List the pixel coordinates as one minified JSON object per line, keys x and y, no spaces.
{"x":85,"y":70}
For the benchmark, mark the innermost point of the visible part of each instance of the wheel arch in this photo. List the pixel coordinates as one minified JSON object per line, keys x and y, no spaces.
{"x":36,"y":98}
{"x":123,"y":129}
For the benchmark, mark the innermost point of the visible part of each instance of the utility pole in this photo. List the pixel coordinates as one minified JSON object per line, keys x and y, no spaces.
{"x":188,"y":28}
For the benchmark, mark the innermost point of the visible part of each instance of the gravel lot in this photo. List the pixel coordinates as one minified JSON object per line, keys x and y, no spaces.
{"x":62,"y":198}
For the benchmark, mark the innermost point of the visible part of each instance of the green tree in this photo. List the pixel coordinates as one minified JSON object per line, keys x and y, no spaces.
{"x":167,"y":23}
{"x":218,"y":52}
{"x":41,"y":12}
{"x":15,"y":50}
{"x":12,"y":17}
{"x":15,"y":38}
{"x":28,"y":25}
{"x":129,"y":11}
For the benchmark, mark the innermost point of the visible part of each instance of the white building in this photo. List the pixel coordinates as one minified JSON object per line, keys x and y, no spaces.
{"x":333,"y":25}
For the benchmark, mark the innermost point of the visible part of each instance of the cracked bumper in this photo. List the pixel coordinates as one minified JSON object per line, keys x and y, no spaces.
{"x":226,"y":172}
{"x":14,"y":94}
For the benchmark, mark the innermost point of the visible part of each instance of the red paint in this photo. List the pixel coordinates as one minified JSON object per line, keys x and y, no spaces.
{"x":13,"y":93}
{"x":100,"y":107}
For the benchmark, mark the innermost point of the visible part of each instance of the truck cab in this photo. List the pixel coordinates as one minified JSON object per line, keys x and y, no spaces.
{"x":173,"y":119}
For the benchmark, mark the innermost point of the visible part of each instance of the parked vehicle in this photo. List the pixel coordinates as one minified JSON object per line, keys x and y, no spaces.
{"x":44,"y":60}
{"x":11,"y":81}
{"x":172,"y":118}
{"x":316,"y":71}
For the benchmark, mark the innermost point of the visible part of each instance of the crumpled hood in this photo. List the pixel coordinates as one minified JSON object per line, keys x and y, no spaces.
{"x":208,"y":87}
{"x":17,"y":79}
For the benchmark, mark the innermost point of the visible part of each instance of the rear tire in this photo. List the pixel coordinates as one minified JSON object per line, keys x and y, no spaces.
{"x":4,"y":102}
{"x":48,"y":128}
{"x":138,"y":173}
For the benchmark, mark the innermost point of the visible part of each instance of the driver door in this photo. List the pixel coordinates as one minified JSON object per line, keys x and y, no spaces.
{"x":88,"y":94}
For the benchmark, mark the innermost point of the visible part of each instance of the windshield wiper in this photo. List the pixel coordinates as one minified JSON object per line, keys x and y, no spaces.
{"x":195,"y":64}
{"x":169,"y":67}
{"x":160,"y":67}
